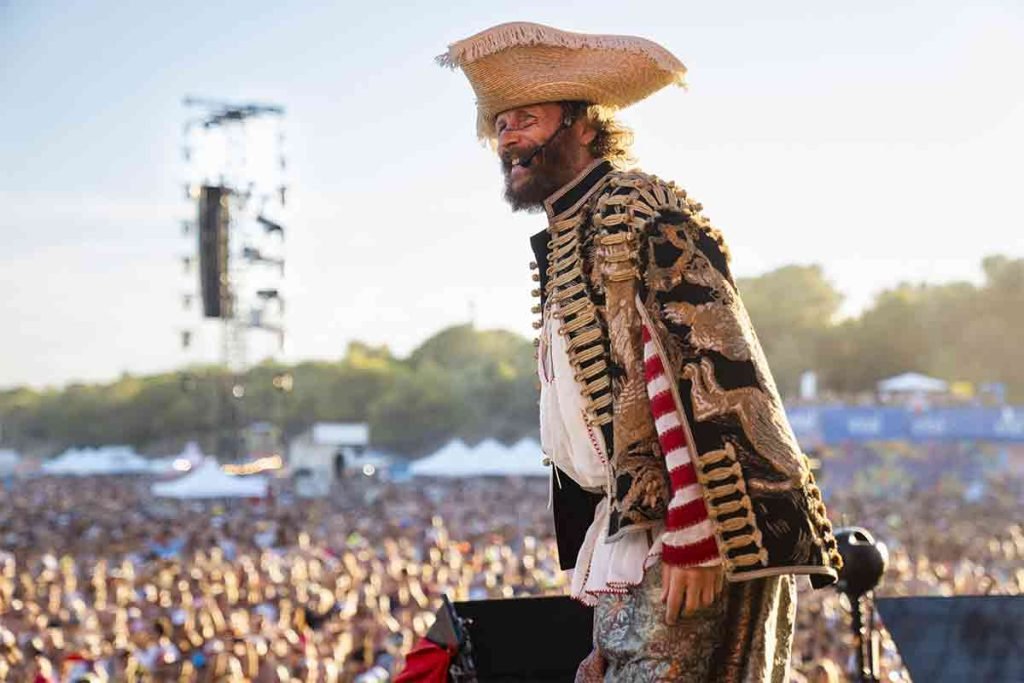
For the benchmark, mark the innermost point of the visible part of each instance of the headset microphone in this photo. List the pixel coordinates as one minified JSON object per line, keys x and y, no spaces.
{"x":528,"y":159}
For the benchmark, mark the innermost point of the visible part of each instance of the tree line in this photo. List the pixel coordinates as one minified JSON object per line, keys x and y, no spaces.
{"x":474,"y":384}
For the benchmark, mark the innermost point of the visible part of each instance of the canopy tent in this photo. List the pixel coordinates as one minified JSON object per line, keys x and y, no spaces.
{"x":94,"y":461}
{"x":192,"y":453}
{"x":912,"y":382}
{"x":453,"y":460}
{"x":209,"y":481}
{"x":488,"y":458}
{"x":9,"y":461}
{"x":191,"y":456}
{"x":525,"y":458}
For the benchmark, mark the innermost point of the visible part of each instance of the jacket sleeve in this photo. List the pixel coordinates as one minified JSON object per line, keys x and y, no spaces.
{"x":647,"y":415}
{"x":758,"y":493}
{"x":689,"y":538}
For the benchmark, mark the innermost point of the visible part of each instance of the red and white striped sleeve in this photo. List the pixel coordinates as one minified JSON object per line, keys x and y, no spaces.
{"x":688,"y":540}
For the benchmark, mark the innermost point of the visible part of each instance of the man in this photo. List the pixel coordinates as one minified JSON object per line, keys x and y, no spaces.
{"x":665,"y":431}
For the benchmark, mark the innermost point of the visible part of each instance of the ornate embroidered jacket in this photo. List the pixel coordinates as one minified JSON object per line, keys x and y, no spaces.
{"x":628,"y":264}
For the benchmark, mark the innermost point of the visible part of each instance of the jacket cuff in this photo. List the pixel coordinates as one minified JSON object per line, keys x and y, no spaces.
{"x":702,"y":553}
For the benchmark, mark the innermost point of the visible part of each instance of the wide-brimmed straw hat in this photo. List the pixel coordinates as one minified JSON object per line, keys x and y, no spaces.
{"x":517,"y":64}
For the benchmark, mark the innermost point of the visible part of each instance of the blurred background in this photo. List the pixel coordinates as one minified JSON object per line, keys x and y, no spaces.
{"x":267,"y":386}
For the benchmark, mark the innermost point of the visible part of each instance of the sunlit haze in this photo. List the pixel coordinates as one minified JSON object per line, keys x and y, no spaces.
{"x":881,"y":140}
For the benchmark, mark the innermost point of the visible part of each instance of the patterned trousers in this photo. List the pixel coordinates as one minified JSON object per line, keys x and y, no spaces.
{"x":744,"y":636}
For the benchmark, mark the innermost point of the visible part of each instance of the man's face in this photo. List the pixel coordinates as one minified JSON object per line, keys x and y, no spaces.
{"x":522,"y":130}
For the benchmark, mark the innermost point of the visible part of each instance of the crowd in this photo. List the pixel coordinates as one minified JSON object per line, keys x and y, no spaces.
{"x":101,"y":581}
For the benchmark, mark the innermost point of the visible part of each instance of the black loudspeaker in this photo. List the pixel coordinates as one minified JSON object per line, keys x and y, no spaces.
{"x":213,"y":251}
{"x":527,"y":639}
{"x":962,"y":638}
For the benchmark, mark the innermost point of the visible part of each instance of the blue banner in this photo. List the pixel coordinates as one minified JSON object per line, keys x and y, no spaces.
{"x":817,"y":425}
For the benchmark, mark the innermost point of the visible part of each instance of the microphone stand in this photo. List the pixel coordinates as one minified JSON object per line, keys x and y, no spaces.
{"x":865,"y":640}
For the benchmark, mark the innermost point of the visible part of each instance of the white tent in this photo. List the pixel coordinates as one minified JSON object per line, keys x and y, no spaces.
{"x":192,"y":453}
{"x":103,"y":460}
{"x":191,"y":456}
{"x":526,"y":458}
{"x":522,"y":459}
{"x":455,"y":459}
{"x":912,"y":382}
{"x":209,"y":481}
{"x":488,"y":458}
{"x":9,"y":461}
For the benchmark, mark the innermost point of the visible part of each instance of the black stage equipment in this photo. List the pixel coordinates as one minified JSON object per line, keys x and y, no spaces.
{"x":270,"y":226}
{"x":962,"y":638}
{"x":525,"y":639}
{"x":449,"y":631}
{"x":213,"y":251}
{"x":267,"y":294}
{"x":864,"y":562}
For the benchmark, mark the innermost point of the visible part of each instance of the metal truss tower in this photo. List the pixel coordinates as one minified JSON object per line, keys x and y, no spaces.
{"x":237,"y":190}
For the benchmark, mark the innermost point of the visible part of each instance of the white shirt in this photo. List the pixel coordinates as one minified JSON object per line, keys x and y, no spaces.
{"x":578,"y":450}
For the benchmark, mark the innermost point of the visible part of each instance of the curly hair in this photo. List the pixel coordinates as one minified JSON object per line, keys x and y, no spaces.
{"x":613,"y":141}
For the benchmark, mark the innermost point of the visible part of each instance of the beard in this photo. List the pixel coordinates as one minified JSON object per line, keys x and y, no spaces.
{"x":549,"y":171}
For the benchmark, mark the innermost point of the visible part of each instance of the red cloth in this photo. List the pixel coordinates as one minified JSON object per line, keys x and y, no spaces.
{"x":689,"y":539}
{"x":427,"y":662}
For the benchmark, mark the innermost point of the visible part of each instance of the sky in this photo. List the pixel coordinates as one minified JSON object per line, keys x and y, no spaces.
{"x":881,"y":140}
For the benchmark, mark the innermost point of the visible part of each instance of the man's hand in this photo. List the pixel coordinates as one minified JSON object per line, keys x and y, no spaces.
{"x":697,"y":586}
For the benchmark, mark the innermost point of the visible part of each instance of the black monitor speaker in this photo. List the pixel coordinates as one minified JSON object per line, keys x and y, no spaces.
{"x":213,"y":251}
{"x":961,"y":638}
{"x":527,"y":639}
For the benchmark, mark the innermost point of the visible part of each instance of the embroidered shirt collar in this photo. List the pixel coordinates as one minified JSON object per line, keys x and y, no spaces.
{"x":576,"y":191}
{"x":564,"y":202}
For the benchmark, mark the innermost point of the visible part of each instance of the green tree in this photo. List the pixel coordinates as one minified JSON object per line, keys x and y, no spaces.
{"x":792,"y":309}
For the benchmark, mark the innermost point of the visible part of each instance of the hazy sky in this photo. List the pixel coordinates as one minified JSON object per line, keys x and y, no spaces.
{"x":882,"y":140}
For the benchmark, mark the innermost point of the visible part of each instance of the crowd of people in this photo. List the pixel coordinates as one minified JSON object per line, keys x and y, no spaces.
{"x":99,"y":580}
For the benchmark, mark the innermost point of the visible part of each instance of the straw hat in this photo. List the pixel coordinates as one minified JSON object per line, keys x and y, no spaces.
{"x":516,"y":64}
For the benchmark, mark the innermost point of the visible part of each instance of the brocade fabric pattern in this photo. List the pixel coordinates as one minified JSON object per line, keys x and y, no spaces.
{"x":745,"y":636}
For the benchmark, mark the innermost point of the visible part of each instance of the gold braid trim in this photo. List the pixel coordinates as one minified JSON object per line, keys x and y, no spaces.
{"x":566,"y":290}
{"x":577,"y":323}
{"x":820,"y":518}
{"x":591,"y":353}
{"x":589,"y":371}
{"x":721,"y":477}
{"x":584,"y":339}
{"x":570,"y":292}
{"x":572,"y":308}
